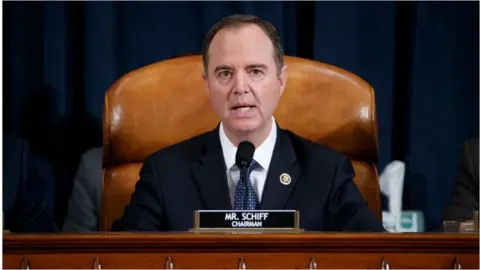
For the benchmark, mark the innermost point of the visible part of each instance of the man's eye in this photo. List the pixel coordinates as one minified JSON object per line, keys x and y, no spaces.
{"x":224,"y":74}
{"x":256,"y":72}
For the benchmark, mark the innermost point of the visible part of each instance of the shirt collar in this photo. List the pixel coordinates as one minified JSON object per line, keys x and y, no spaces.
{"x":262,"y":155}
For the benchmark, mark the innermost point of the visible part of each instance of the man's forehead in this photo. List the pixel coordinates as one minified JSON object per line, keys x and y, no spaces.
{"x":249,"y":43}
{"x":231,"y":34}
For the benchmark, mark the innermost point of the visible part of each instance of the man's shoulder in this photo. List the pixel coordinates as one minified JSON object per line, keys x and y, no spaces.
{"x":17,"y":157}
{"x":186,"y":150}
{"x":15,"y":161}
{"x":312,"y":151}
{"x":93,"y":153}
{"x":14,"y":145}
{"x":470,"y":152}
{"x":92,"y":158}
{"x":472,"y":145}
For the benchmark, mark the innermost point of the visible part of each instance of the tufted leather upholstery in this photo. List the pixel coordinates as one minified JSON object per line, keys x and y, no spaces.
{"x":166,"y":102}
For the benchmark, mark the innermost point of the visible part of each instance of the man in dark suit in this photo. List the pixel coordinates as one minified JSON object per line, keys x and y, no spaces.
{"x":28,"y":189}
{"x":464,"y":199}
{"x":245,"y":76}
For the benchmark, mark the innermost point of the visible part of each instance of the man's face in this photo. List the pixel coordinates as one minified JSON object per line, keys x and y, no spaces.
{"x":242,"y":81}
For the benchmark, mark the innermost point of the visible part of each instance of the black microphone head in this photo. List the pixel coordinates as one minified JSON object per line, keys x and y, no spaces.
{"x":244,"y":154}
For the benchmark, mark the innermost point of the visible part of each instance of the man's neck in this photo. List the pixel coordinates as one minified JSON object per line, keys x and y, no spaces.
{"x":256,"y":137}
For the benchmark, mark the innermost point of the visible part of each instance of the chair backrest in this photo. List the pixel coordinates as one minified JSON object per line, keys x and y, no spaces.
{"x":166,"y":102}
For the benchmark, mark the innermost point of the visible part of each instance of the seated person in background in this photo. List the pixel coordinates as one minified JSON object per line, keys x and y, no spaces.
{"x":28,"y":189}
{"x":464,"y":198}
{"x":245,"y":76}
{"x":84,"y":203}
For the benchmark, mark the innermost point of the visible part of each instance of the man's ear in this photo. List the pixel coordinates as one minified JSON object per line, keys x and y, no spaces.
{"x":283,"y":78}
{"x":205,"y":80}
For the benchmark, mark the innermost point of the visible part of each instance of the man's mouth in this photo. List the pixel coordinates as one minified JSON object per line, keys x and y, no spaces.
{"x":243,"y":108}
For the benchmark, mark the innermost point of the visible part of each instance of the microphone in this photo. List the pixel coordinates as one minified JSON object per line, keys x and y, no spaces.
{"x":243,"y":159}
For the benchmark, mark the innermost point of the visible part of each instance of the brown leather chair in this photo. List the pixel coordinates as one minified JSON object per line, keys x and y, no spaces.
{"x":166,"y":102}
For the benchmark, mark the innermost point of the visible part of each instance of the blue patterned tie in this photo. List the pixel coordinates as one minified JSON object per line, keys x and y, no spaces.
{"x":240,"y":190}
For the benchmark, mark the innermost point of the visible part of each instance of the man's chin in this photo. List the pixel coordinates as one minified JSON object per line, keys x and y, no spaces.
{"x":244,"y":126}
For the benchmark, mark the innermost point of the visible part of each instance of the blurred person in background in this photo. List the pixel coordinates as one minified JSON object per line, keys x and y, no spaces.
{"x":85,"y":202}
{"x":28,"y":189}
{"x":464,"y":198}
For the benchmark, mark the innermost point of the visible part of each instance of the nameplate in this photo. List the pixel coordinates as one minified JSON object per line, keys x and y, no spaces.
{"x":233,"y":220}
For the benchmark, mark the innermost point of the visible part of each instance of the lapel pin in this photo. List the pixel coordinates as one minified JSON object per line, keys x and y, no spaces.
{"x":285,"y":179}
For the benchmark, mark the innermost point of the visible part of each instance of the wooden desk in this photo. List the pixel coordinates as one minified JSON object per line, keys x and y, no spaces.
{"x":189,"y":250}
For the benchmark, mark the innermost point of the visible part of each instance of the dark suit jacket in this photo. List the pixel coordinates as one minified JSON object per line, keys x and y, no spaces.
{"x":191,"y":176}
{"x":28,"y":189}
{"x":464,"y":198}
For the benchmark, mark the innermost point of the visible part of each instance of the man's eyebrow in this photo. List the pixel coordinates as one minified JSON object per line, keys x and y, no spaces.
{"x":252,"y":66}
{"x":222,"y":67}
{"x":259,"y":66}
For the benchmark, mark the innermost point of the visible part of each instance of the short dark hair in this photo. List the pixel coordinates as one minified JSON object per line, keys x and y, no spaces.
{"x":239,"y":20}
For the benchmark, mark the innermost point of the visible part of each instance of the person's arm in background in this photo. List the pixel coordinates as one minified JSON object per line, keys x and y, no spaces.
{"x":464,"y":198}
{"x":84,"y":203}
{"x":37,"y":197}
{"x":29,"y":189}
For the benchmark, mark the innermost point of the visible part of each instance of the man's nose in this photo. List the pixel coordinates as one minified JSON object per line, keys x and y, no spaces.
{"x":241,"y":83}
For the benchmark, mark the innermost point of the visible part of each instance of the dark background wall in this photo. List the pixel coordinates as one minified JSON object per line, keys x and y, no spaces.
{"x":421,"y":58}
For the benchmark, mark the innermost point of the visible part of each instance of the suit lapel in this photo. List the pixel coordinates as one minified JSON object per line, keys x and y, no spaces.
{"x":210,"y":174}
{"x":284,"y":161}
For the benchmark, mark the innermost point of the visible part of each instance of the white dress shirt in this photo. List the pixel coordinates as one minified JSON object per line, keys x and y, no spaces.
{"x":262,"y":155}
